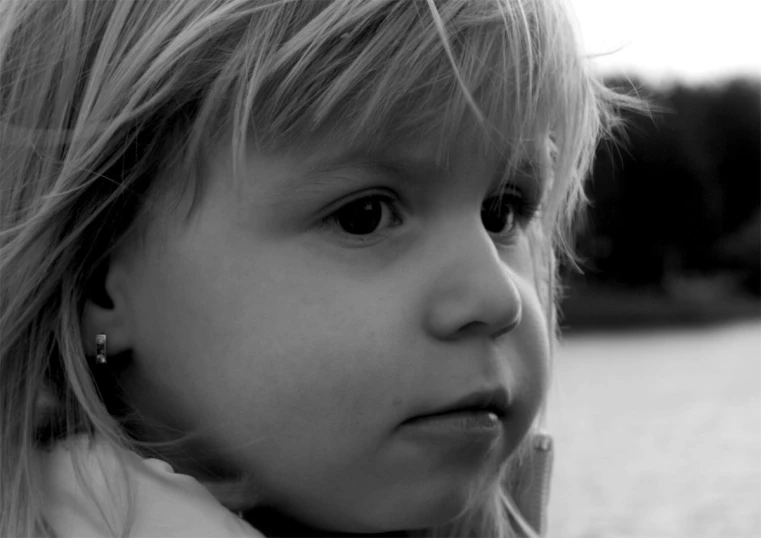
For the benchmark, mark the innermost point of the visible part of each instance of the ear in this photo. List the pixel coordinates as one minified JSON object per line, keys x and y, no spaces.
{"x":107,"y":308}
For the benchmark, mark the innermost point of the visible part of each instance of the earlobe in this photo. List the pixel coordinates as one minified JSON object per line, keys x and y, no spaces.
{"x":107,"y":311}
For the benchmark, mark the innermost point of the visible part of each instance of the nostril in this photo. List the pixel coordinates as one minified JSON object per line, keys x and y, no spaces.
{"x":507,"y":327}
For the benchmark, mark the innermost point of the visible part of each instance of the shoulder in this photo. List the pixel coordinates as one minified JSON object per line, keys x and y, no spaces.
{"x":92,"y":489}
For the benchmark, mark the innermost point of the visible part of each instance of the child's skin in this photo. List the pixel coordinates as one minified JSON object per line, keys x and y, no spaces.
{"x":296,"y":350}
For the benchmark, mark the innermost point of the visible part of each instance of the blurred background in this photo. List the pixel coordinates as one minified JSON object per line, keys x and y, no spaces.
{"x":656,"y":402}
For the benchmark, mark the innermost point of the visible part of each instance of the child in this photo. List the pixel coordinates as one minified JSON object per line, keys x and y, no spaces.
{"x":201,"y":336}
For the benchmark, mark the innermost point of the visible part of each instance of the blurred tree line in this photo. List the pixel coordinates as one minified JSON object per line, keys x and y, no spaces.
{"x":678,"y":196}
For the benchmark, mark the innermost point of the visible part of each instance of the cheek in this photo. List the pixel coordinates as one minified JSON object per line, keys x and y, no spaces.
{"x":307,"y":351}
{"x":333,"y":355}
{"x":534,"y":340}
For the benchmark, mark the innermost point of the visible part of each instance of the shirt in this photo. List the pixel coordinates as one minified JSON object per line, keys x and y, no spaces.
{"x":166,"y":504}
{"x":172,"y":505}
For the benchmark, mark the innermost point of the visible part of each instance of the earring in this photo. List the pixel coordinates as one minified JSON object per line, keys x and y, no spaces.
{"x":100,"y":349}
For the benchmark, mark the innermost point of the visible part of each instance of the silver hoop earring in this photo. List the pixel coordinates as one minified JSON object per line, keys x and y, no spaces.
{"x":100,"y":349}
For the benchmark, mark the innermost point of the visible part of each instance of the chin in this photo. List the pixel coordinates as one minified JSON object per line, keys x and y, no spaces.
{"x":432,"y":507}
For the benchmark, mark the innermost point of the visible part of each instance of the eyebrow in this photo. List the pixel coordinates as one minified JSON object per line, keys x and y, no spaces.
{"x":322,"y":173}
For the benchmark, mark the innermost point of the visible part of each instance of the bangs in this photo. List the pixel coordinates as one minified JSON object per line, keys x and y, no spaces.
{"x":508,"y":76}
{"x":377,"y":71}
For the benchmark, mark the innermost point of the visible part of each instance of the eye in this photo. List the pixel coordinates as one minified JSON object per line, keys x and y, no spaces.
{"x":498,"y":214}
{"x":365,"y":216}
{"x":503,"y":214}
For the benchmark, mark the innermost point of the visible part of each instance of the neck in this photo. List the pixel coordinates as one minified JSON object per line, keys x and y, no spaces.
{"x":274,"y":524}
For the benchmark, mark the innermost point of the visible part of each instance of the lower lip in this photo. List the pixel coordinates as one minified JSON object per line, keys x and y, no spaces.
{"x":468,"y":426}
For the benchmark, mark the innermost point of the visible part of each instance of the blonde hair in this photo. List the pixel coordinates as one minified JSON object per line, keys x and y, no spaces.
{"x":98,"y":100}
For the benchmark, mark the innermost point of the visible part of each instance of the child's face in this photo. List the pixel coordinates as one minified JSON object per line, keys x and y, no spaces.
{"x":296,"y":343}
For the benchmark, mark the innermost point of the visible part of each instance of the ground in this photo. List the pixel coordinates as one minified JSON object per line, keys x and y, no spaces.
{"x":658,"y":434}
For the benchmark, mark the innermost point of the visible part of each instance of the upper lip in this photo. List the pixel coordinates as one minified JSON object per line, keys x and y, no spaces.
{"x":496,"y":401}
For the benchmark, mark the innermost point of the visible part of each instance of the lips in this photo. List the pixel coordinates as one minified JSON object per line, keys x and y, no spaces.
{"x":495,"y":401}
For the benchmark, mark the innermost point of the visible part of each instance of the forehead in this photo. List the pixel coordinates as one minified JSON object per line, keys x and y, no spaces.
{"x":433,"y":150}
{"x":428,"y":163}
{"x":438,"y":136}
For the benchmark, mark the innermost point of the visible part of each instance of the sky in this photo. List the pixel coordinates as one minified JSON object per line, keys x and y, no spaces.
{"x":667,"y":40}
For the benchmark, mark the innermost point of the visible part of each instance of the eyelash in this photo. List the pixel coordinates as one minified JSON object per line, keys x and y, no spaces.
{"x":523,"y":210}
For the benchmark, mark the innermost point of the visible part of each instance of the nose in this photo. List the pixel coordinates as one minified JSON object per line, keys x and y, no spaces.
{"x":474,"y":291}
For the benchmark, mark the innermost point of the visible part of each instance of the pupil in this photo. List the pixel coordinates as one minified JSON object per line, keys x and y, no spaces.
{"x":496,"y":218}
{"x":361,"y":217}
